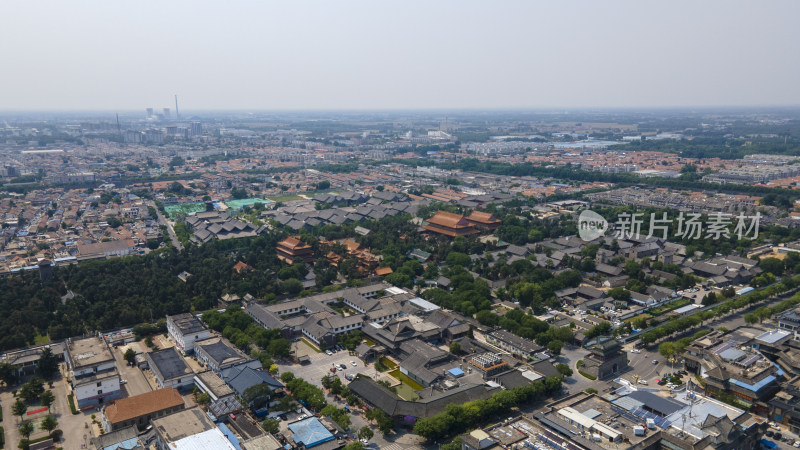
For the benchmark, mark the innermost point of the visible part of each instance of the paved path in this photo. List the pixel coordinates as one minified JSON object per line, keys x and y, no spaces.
{"x":163,"y":221}
{"x":136,"y":383}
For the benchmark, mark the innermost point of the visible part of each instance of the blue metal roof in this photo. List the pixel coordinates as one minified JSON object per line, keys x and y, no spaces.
{"x":124,"y":445}
{"x":229,"y":434}
{"x":310,"y":432}
{"x":456,"y":372}
{"x":753,"y":387}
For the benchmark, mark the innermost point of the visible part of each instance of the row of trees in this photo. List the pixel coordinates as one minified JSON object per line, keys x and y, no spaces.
{"x":458,"y":418}
{"x":684,"y":323}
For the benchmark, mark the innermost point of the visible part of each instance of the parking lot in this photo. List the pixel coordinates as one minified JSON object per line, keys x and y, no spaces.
{"x":321,"y":363}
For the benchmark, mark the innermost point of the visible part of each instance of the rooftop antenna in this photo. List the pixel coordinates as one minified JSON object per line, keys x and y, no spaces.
{"x":177,"y":114}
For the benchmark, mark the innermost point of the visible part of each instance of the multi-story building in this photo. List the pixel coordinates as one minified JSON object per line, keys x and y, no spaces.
{"x":93,"y":375}
{"x":483,"y":221}
{"x":292,"y":247}
{"x":513,"y":343}
{"x":186,"y":329}
{"x":169,"y":368}
{"x":728,"y":365}
{"x":217,"y":354}
{"x":189,"y":429}
{"x":790,"y":321}
{"x":449,"y":224}
{"x":222,"y":399}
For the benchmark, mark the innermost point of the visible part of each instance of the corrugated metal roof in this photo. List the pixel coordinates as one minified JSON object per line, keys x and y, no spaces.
{"x":212,"y":439}
{"x":753,"y":387}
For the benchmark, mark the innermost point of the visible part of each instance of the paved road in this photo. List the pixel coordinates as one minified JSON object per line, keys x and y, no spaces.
{"x":136,"y":381}
{"x":163,"y":221}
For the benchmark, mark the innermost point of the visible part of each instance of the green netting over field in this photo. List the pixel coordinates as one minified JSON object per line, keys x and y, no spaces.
{"x":184,"y":209}
{"x":241,"y":203}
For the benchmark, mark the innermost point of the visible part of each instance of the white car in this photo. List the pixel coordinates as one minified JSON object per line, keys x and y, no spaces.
{"x":636,"y":350}
{"x":644,"y":382}
{"x":328,"y":352}
{"x":354,"y":363}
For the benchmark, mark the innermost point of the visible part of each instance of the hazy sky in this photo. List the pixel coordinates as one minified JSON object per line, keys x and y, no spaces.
{"x":339,"y":54}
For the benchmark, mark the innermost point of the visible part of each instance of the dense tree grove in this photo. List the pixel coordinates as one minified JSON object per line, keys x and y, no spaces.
{"x":134,"y":289}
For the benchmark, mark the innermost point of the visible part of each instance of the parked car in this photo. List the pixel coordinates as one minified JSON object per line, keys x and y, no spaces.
{"x":636,"y":350}
{"x":644,"y":382}
{"x":769,"y":433}
{"x":655,"y":361}
{"x":353,"y":363}
{"x":328,"y":352}
{"x":778,"y":435}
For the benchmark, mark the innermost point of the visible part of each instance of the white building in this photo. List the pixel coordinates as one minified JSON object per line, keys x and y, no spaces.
{"x":95,"y":379}
{"x":185,"y":329}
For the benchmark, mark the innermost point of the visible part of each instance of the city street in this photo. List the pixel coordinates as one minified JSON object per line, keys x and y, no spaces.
{"x":163,"y":221}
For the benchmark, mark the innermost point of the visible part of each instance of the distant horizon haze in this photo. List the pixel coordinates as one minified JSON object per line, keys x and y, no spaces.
{"x":398,"y":56}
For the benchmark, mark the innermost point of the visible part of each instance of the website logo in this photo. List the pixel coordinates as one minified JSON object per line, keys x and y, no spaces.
{"x":591,"y":225}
